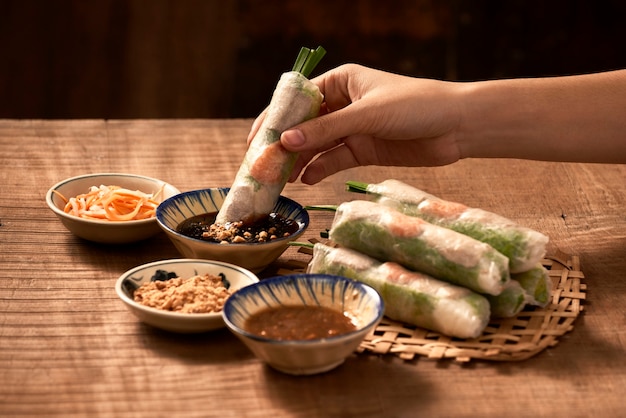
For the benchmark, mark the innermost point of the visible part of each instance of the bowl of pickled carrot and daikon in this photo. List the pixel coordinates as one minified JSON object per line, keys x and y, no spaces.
{"x":109,"y":208}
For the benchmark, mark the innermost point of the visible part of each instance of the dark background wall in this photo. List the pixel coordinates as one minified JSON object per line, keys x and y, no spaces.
{"x":221,"y":58}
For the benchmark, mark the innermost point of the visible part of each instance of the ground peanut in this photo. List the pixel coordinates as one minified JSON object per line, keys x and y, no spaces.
{"x":197,"y":294}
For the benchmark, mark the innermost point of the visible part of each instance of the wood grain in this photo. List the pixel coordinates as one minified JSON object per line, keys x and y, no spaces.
{"x":68,"y":347}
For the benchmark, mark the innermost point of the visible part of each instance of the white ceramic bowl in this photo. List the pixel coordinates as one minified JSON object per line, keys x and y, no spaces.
{"x":252,"y":256}
{"x":103,"y":231}
{"x":185,"y":268}
{"x":357,"y":300}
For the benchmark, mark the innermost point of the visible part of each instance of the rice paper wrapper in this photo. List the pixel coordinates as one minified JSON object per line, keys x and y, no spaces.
{"x":389,"y":235}
{"x":411,"y":297}
{"x":509,"y":302}
{"x":267,"y":165}
{"x":537,"y":284}
{"x":523,"y":246}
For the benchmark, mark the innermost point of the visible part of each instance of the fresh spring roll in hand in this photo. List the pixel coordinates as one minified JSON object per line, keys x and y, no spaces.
{"x":387,"y":234}
{"x":523,"y":246}
{"x":537,"y":284}
{"x":410,"y":297}
{"x":267,"y":165}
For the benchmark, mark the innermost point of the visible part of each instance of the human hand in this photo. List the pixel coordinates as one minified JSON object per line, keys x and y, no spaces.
{"x":371,"y":117}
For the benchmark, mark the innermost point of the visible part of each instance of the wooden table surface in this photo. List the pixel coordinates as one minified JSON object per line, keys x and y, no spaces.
{"x":69,"y":347}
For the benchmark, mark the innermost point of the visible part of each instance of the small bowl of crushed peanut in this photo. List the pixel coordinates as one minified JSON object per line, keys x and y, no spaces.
{"x":188,"y":219}
{"x":182,"y":295}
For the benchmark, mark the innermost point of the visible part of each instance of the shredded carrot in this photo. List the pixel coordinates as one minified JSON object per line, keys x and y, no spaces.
{"x":112,"y":203}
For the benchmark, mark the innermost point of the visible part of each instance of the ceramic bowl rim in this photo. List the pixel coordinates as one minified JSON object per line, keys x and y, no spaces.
{"x":304,"y":343}
{"x":302,"y":225}
{"x":60,"y":212}
{"x":177,"y":315}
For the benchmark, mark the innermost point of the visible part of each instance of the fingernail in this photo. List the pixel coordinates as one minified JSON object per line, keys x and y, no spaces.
{"x":293,"y":137}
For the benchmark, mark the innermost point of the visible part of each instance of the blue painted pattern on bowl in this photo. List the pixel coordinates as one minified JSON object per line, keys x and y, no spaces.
{"x":252,"y":256}
{"x":128,"y":282}
{"x":358,"y":301}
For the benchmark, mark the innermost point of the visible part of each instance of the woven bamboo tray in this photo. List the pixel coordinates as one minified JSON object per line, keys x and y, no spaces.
{"x":506,"y":339}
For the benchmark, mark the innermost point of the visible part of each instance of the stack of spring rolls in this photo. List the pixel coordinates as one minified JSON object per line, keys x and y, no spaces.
{"x":438,"y":265}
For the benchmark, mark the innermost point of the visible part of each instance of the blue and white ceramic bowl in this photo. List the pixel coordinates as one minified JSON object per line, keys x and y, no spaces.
{"x":128,"y":282}
{"x":103,"y":231}
{"x":252,"y":256}
{"x":358,"y":301}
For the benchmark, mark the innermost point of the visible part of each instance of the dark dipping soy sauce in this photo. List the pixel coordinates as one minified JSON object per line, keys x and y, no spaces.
{"x":202,"y":227}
